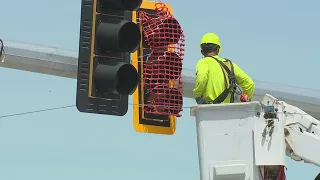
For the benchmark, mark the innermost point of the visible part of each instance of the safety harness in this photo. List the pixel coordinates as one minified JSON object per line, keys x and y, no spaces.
{"x":230,"y":79}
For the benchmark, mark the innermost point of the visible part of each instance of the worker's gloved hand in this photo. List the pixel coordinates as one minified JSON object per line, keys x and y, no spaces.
{"x":244,"y":98}
{"x":200,"y":100}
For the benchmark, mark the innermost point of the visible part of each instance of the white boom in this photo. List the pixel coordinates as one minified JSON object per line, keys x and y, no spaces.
{"x":240,"y":141}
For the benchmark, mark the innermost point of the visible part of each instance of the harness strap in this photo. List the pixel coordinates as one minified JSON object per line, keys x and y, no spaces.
{"x":230,"y":84}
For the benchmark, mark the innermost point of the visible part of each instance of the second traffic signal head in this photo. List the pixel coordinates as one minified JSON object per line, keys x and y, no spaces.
{"x":158,"y":98}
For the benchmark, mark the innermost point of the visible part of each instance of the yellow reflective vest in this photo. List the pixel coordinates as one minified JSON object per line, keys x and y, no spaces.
{"x":210,"y":80}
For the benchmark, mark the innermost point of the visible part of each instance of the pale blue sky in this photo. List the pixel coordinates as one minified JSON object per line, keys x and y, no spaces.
{"x":275,"y":41}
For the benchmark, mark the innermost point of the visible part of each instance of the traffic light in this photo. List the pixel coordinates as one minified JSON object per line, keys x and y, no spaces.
{"x":158,"y":98}
{"x":107,"y":38}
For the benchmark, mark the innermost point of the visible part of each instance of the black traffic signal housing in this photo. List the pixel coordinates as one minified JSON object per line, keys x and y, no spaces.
{"x":158,"y":98}
{"x":107,"y":39}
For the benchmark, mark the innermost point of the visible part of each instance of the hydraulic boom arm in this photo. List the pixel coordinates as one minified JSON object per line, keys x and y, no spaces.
{"x":302,"y":131}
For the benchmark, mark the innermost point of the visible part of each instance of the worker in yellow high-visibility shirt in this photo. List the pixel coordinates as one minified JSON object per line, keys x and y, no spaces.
{"x":217,"y":78}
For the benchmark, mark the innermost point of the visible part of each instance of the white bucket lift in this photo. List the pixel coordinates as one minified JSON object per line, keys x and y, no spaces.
{"x":234,"y":141}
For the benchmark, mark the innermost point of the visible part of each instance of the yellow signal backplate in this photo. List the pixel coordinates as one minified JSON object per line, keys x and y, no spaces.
{"x":137,"y":106}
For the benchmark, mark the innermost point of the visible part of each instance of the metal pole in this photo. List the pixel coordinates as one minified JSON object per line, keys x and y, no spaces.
{"x":53,"y":61}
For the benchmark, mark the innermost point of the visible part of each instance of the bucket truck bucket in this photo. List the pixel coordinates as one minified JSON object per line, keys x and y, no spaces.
{"x":229,"y":141}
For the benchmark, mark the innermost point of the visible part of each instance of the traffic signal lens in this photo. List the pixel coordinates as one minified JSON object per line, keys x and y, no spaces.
{"x":129,"y":36}
{"x":128,"y":79}
{"x":163,"y":100}
{"x":115,"y":77}
{"x":161,"y":32}
{"x":119,"y":36}
{"x":170,"y":29}
{"x":129,"y":5}
{"x":165,"y":64}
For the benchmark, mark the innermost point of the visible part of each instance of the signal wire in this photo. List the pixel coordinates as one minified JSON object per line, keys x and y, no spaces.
{"x":140,"y":105}
{"x":36,"y":111}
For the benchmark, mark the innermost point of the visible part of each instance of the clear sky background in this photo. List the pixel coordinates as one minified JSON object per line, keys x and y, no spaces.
{"x":275,"y":41}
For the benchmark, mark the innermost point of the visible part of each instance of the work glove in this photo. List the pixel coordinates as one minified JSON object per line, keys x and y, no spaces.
{"x":244,"y":98}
